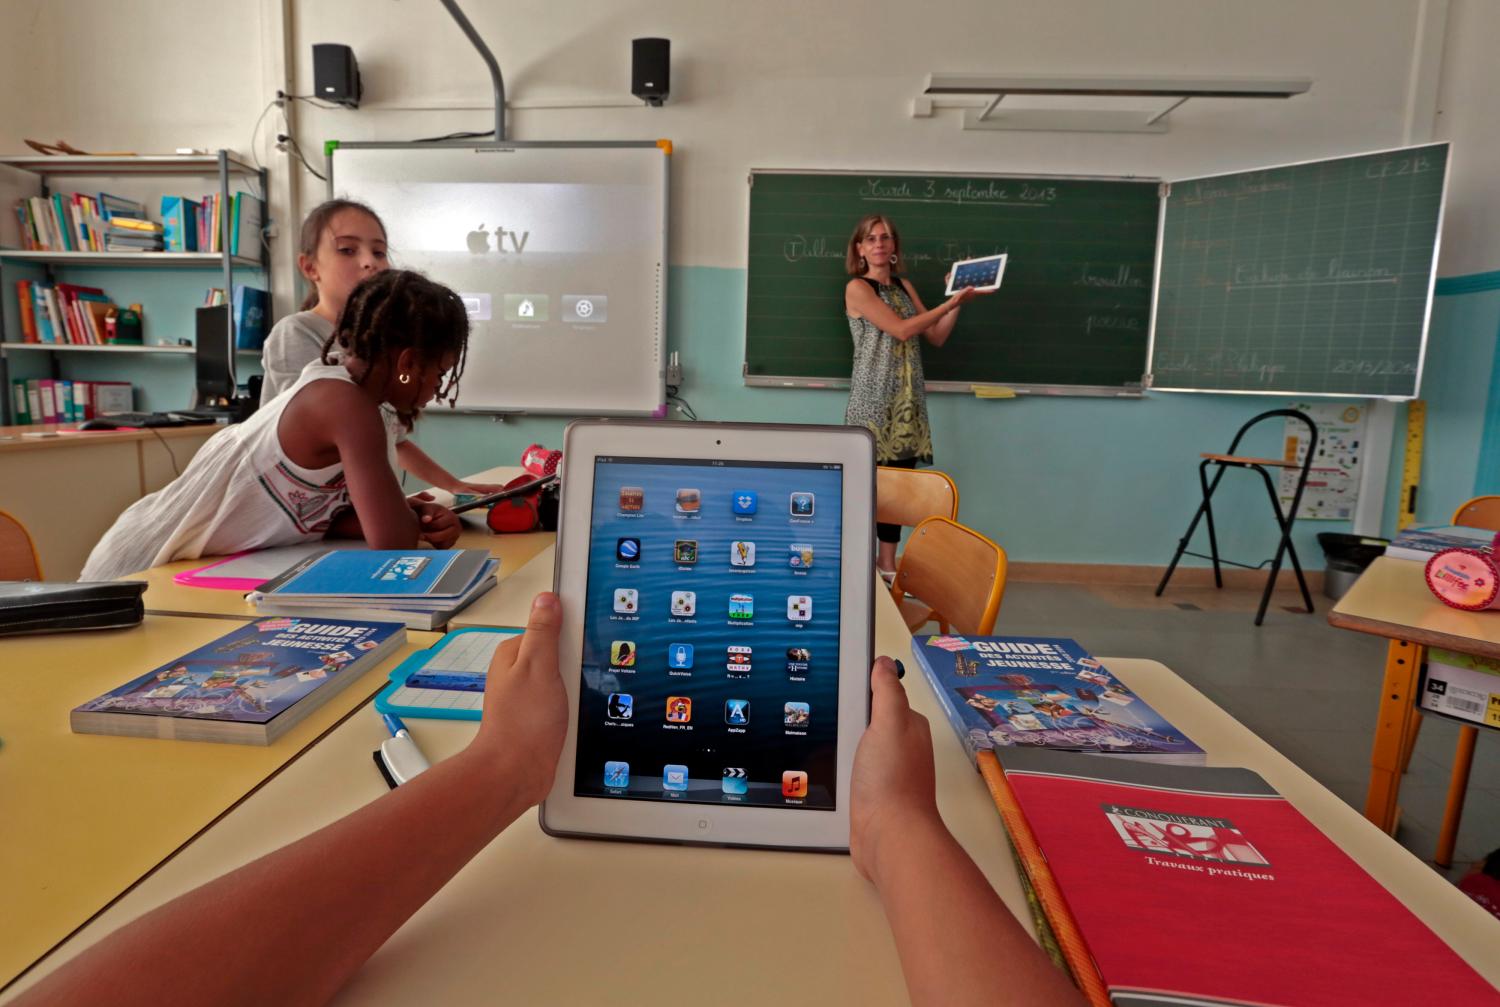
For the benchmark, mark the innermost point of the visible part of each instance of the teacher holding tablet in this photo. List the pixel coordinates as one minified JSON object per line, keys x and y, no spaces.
{"x":887,"y":392}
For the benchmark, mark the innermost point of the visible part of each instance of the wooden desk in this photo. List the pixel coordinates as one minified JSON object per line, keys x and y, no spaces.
{"x":1391,"y":599}
{"x":85,"y":816}
{"x":68,"y":490}
{"x":540,"y":920}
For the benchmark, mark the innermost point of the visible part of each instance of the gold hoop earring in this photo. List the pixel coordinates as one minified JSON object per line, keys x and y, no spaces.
{"x":406,"y":379}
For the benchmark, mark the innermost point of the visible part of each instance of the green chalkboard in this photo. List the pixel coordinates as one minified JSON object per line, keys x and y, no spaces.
{"x":1309,"y":279}
{"x":1074,"y":309}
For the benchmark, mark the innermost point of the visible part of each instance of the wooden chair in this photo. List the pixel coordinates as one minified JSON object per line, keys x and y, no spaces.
{"x":910,"y":496}
{"x":1480,"y":512}
{"x":18,"y":558}
{"x":959,"y":574}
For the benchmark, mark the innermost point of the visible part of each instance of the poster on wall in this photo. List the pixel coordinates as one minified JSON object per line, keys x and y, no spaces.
{"x":1333,"y":482}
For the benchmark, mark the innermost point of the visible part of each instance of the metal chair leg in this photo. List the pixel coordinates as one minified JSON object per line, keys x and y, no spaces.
{"x":1213,"y":538}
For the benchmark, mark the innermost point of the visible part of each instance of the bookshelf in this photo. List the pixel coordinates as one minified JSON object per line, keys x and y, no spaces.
{"x":222,"y":166}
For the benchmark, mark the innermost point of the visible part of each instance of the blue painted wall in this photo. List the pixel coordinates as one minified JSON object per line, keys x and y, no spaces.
{"x":1064,"y":480}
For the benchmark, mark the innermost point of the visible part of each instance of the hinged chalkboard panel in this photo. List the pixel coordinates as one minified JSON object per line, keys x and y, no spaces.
{"x":1306,"y":279}
{"x":1074,"y":309}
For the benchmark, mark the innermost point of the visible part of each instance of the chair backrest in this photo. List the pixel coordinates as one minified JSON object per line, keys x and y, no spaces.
{"x":18,"y":558}
{"x":956,"y":571}
{"x":910,"y":496}
{"x":1480,"y":512}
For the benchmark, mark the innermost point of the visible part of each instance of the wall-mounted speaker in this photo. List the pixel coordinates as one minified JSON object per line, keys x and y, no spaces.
{"x":336,"y":74}
{"x":651,"y":69}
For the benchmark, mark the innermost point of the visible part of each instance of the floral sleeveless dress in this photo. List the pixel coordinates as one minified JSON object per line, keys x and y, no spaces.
{"x":887,"y":392}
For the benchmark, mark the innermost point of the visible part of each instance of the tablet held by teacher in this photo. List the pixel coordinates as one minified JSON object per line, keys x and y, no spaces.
{"x":887,"y":390}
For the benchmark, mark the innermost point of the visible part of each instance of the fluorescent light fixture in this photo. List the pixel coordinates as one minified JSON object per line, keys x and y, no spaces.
{"x":1158,"y":87}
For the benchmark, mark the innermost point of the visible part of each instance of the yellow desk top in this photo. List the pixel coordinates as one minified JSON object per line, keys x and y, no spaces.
{"x":37,"y":436}
{"x":1391,"y":599}
{"x":535,"y":919}
{"x":84,"y":816}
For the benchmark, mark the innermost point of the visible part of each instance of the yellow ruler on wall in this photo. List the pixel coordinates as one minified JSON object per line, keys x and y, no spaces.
{"x":1411,"y":464}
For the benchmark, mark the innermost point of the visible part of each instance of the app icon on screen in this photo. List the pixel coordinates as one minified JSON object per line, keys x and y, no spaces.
{"x":798,"y":660}
{"x":802,"y":505}
{"x":744,"y":501}
{"x":742,"y":607}
{"x":800,"y":557}
{"x":632,"y":497}
{"x":679,"y":710}
{"x":742,"y":554}
{"x":674,"y":778}
{"x":680,"y":656}
{"x":736,"y":780}
{"x":622,"y":653}
{"x":617,"y":775}
{"x":627,"y":600}
{"x":688,"y":501}
{"x":736,"y":712}
{"x":796,"y":714}
{"x":798,"y":607}
{"x":628,"y":550}
{"x":737,"y":660}
{"x":794,"y":783}
{"x":684,"y":604}
{"x":685,"y":551}
{"x":621,"y":706}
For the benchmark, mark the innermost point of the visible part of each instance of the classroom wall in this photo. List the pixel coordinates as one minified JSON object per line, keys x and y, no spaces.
{"x":794,"y":85}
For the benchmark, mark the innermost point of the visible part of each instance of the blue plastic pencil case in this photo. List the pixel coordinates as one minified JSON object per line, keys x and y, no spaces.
{"x":445,"y":681}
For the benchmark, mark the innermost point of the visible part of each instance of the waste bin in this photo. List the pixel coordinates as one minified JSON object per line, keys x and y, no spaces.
{"x":1347,"y":557}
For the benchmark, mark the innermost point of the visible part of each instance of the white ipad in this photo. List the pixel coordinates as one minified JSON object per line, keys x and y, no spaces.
{"x":981,"y":274}
{"x":717,"y":587}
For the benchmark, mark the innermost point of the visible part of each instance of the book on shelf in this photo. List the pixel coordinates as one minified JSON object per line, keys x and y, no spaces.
{"x":1192,"y":885}
{"x":1002,"y":692}
{"x":180,"y":222}
{"x":423,"y":588}
{"x":250,"y":686}
{"x":247,"y":215}
{"x":72,"y":222}
{"x":51,"y":400}
{"x":1422,"y":544}
{"x":251,"y":305}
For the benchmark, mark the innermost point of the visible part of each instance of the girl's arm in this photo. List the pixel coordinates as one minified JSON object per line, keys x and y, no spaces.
{"x":859,"y":299}
{"x":420,"y":464}
{"x":346,"y":888}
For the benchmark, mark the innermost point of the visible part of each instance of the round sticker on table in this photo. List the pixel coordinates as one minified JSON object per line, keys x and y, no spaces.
{"x":1464,"y":578}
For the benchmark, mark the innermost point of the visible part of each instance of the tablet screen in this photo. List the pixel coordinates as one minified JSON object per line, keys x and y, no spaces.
{"x":981,"y":273}
{"x":711,"y":633}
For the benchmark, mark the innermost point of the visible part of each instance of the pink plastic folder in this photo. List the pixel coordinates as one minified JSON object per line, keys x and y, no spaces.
{"x":247,"y":571}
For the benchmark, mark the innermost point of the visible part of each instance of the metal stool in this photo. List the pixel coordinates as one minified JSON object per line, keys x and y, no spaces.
{"x":1283,"y":521}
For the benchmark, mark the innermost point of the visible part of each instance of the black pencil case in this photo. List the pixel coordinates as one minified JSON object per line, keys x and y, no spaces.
{"x":45,"y":607}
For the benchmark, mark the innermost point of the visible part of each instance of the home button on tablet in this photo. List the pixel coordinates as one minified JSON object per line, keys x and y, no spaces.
{"x":704,"y":825}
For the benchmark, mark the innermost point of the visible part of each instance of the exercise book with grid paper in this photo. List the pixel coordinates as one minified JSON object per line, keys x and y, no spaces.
{"x":445,"y":681}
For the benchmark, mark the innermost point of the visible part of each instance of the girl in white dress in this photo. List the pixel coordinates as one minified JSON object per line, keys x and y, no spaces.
{"x":312,"y":463}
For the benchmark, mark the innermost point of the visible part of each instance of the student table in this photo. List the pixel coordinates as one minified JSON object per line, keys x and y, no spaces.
{"x":534,"y":919}
{"x":1391,"y":599}
{"x":85,"y":816}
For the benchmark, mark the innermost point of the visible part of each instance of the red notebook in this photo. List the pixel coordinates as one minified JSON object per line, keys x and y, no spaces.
{"x":1198,"y":886}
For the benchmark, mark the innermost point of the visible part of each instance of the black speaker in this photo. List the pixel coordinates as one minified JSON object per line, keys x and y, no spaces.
{"x":650,"y":69}
{"x":336,"y":74}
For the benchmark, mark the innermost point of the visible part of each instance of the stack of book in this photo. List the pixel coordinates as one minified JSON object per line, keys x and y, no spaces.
{"x":198,"y":225}
{"x":77,"y":222}
{"x":250,"y":686}
{"x":422,"y":588}
{"x":56,"y":400}
{"x":131,"y":234}
{"x":1421,"y":544}
{"x":62,"y":313}
{"x":1043,"y":692}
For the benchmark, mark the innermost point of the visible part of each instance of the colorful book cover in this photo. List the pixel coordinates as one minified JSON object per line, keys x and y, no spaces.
{"x":1191,"y":885}
{"x":255,"y":675}
{"x":179,"y":217}
{"x":1042,"y":692}
{"x":250,"y":307}
{"x":376,"y":573}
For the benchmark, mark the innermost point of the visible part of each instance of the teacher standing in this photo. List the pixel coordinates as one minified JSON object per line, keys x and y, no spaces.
{"x":887,"y":392}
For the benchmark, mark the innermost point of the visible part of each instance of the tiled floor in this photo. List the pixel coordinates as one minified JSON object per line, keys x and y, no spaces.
{"x":1308,"y":689}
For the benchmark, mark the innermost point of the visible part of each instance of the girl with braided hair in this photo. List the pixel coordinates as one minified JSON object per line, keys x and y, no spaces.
{"x":313,"y":462}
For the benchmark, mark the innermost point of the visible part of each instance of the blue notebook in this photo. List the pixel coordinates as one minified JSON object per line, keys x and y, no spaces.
{"x":445,"y":681}
{"x":386,"y":574}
